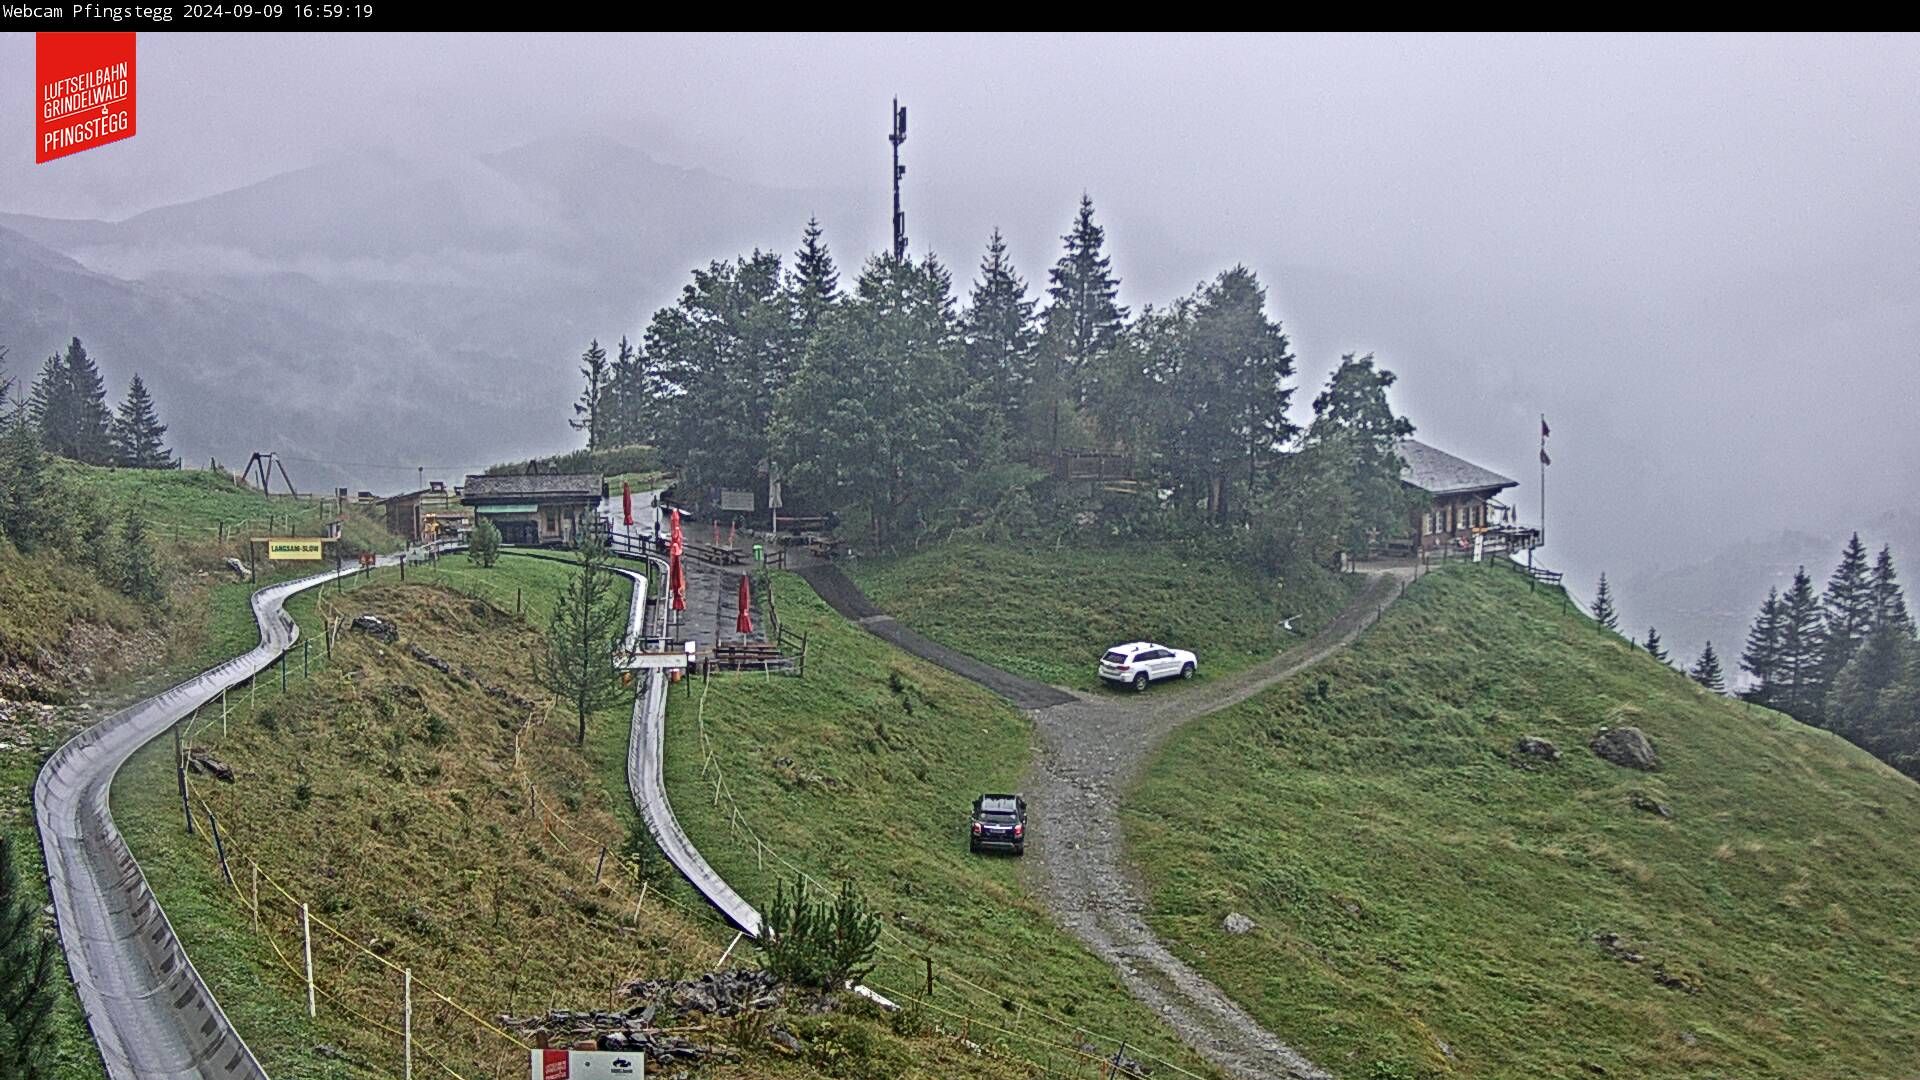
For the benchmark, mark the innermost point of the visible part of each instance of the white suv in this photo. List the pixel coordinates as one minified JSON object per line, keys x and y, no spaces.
{"x":1141,"y":662}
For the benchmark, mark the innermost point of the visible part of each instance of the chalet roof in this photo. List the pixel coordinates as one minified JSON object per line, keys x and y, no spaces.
{"x":1440,"y":473}
{"x":543,"y":485}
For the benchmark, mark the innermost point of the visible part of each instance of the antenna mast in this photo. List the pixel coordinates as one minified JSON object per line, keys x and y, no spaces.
{"x":896,"y":137}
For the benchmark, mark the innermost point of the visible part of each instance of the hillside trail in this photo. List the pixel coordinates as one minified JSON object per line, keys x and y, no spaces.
{"x":1093,"y":747}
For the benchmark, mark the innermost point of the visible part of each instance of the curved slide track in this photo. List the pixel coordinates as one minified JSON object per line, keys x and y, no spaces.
{"x":149,"y":1010}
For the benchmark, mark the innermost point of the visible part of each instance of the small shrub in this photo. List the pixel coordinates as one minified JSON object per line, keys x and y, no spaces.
{"x":302,"y":794}
{"x":819,"y":943}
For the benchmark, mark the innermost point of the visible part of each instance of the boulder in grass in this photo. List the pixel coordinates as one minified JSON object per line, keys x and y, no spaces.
{"x":1533,"y":746}
{"x":1236,"y":923}
{"x":1627,"y":747}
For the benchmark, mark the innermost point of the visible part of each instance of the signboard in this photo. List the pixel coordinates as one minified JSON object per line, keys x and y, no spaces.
{"x":300,"y":548}
{"x":586,"y":1065}
{"x":85,"y":98}
{"x":736,"y":500}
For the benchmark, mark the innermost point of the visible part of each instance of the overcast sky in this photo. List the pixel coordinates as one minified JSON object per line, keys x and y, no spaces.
{"x":1699,"y":256}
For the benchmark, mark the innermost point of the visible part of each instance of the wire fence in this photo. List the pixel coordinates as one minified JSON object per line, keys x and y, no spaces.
{"x":398,"y":1013}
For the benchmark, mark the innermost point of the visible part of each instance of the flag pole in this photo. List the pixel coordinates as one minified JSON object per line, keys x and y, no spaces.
{"x":1543,"y":479}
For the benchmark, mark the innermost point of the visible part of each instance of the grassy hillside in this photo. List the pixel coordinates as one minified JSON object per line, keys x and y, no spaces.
{"x":1048,"y":613}
{"x":384,"y":792}
{"x":865,"y":770}
{"x":189,"y":506}
{"x":1427,"y":907}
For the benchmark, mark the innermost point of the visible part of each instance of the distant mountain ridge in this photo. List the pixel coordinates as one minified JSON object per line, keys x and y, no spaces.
{"x":461,"y":289}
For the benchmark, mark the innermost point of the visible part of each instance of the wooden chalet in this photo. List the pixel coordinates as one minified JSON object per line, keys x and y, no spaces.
{"x":534,"y":511}
{"x":1456,"y":502}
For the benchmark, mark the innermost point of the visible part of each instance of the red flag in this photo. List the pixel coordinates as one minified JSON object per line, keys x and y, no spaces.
{"x":676,"y":575}
{"x":626,"y":503}
{"x":745,"y":623}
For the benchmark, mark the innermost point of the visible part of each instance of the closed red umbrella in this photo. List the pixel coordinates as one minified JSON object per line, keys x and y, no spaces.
{"x":676,"y":576}
{"x":626,"y":503}
{"x":745,"y":625}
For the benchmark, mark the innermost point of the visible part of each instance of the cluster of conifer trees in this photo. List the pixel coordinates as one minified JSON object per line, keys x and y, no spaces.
{"x":1847,"y":659}
{"x":912,"y":413}
{"x":64,"y":415}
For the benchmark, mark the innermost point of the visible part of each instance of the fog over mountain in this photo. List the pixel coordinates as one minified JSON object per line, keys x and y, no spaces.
{"x":1700,"y":258}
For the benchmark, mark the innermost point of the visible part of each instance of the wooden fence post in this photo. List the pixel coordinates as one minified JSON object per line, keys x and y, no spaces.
{"x":306,"y":949}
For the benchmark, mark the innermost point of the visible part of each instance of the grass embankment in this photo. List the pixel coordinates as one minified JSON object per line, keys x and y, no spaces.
{"x":1428,"y":909}
{"x":383,"y":793}
{"x":189,"y":507}
{"x":1048,"y":613}
{"x":865,"y":770}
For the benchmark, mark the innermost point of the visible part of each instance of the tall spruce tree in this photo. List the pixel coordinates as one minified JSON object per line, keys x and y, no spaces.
{"x":139,"y":573}
{"x":1001,"y":334}
{"x":723,"y":354}
{"x":576,"y":663}
{"x":586,"y":410}
{"x":1761,"y":659}
{"x":1084,"y":317}
{"x":6,"y":383}
{"x":69,"y":408}
{"x":1706,"y":670}
{"x":1847,"y":608}
{"x":26,"y":490}
{"x":1889,"y":600}
{"x":1655,"y":647}
{"x":878,"y":418}
{"x":139,"y":438}
{"x":814,"y":282}
{"x":1603,"y":610}
{"x":1352,"y":420}
{"x":1802,"y":641}
{"x":27,"y":987}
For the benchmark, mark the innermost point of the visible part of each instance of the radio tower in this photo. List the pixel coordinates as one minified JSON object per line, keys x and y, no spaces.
{"x":896,"y":137}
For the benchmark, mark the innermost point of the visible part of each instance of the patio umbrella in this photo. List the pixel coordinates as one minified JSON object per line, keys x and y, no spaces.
{"x":676,"y":575}
{"x":745,"y":624}
{"x":626,"y":503}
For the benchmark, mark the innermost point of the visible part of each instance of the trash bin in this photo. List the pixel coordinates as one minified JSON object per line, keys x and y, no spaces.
{"x":759,"y":555}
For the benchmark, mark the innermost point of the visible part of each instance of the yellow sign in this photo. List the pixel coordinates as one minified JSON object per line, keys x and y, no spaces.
{"x":296,"y":548}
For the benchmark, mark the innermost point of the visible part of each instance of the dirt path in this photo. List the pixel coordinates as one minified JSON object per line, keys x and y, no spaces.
{"x":1093,"y":747}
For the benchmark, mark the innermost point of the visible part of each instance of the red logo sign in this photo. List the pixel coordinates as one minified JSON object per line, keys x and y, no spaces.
{"x":554,"y":1065}
{"x":85,"y":94}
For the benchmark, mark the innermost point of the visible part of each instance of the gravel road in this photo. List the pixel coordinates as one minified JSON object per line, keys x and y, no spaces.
{"x":1093,"y":747}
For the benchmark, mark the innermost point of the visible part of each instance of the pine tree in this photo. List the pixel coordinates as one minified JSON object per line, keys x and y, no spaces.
{"x":1848,"y":608}
{"x":1761,"y":659}
{"x":1654,"y":647}
{"x":26,"y":490}
{"x":583,"y":635}
{"x":6,"y":381}
{"x":139,"y":575}
{"x":1802,"y":639}
{"x":138,"y":434}
{"x":69,"y":408}
{"x":1603,"y":609}
{"x":1706,"y":671}
{"x":593,"y":367}
{"x":1353,"y":421}
{"x":1889,"y":600}
{"x":484,"y":549}
{"x":1001,"y":333}
{"x":722,"y":355}
{"x":1857,"y":700}
{"x":27,"y":985}
{"x":814,"y":282}
{"x":1084,"y":317}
